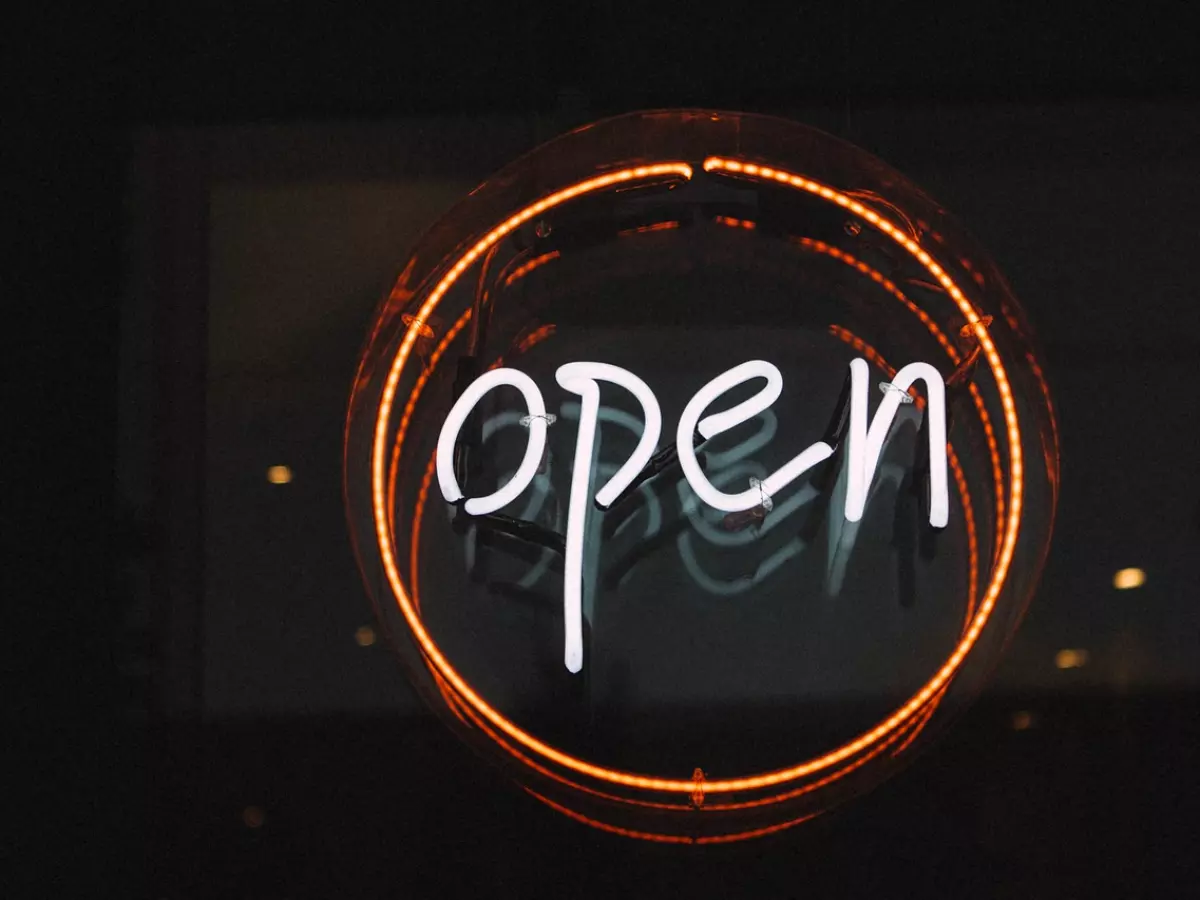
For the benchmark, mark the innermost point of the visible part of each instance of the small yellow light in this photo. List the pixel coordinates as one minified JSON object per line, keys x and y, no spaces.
{"x":279,"y":474}
{"x":1022,"y":720}
{"x":365,"y":636}
{"x":253,"y":816}
{"x":1128,"y":579}
{"x":1071,"y":659}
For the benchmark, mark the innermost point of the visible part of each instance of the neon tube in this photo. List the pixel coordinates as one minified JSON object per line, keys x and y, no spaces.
{"x":864,"y":446}
{"x":479,"y":506}
{"x":409,"y":605}
{"x":573,"y":375}
{"x":690,"y":422}
{"x":583,"y":378}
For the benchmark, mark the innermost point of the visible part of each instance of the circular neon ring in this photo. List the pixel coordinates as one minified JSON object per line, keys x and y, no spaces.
{"x":914,"y":728}
{"x":914,"y":704}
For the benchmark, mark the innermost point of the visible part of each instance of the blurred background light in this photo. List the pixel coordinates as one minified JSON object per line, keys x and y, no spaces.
{"x":1127,"y":579}
{"x":1071,"y":659}
{"x":1022,"y":720}
{"x":279,"y":474}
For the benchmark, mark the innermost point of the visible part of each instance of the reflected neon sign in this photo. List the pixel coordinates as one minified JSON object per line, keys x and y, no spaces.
{"x":864,"y":445}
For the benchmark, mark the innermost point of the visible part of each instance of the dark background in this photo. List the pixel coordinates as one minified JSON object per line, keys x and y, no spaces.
{"x":1068,"y":141}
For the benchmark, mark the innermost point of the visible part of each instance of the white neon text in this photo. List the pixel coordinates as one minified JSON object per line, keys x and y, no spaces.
{"x":581,"y":378}
{"x":864,"y":447}
{"x":711,"y":426}
{"x":481,"y":506}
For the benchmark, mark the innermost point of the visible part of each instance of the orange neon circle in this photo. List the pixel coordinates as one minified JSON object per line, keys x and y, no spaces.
{"x":462,"y":689}
{"x":462,"y":711}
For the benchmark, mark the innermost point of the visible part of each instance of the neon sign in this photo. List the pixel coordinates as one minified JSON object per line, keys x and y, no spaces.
{"x":683,"y":243}
{"x":864,"y":447}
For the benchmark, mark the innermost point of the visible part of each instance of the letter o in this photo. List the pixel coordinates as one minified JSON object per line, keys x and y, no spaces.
{"x":480,"y":506}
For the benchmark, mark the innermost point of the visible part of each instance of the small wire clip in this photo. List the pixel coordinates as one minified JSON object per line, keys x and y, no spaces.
{"x":736,"y":521}
{"x":905,"y":396}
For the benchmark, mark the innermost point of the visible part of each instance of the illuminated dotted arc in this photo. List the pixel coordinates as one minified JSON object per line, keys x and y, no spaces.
{"x":669,"y":838}
{"x":461,"y":688}
{"x":463,"y":711}
{"x":406,"y":417}
{"x":536,"y":263}
{"x":922,"y":720}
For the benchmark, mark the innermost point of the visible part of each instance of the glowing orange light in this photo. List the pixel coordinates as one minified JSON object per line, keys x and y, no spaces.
{"x":421,"y":326}
{"x":969,"y":330}
{"x":670,"y":838}
{"x":731,"y":222}
{"x":364,"y":636}
{"x":1022,"y":720}
{"x":1127,"y":579}
{"x":960,"y":480}
{"x":1071,"y":658}
{"x":434,"y":358}
{"x":279,"y":474}
{"x":898,"y":719}
{"x":459,"y":709}
{"x":650,"y":836}
{"x":668,"y":225}
{"x":536,"y":263}
{"x":875,"y":200}
{"x":535,"y":337}
{"x":452,"y":702}
{"x":873,"y":356}
{"x":922,"y":721}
